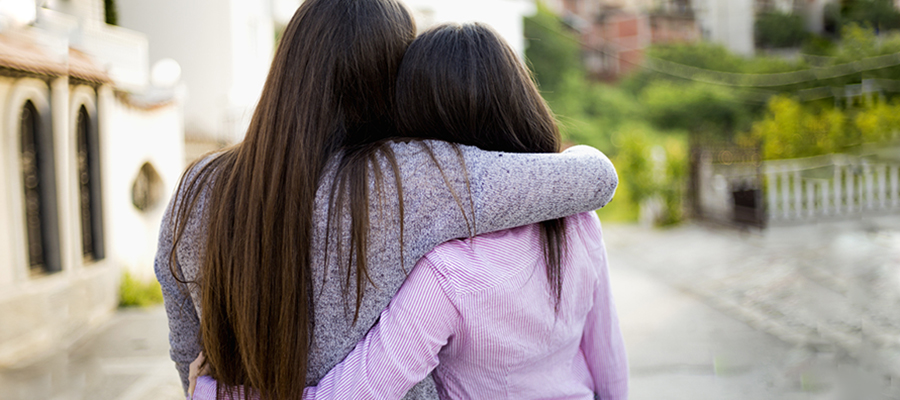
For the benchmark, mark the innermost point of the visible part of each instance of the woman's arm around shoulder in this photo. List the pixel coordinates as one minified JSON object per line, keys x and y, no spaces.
{"x":522,"y":188}
{"x":504,"y":189}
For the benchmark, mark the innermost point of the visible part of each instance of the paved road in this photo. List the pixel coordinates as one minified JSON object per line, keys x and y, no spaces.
{"x":681,"y":348}
{"x":706,"y":313}
{"x":828,"y":292}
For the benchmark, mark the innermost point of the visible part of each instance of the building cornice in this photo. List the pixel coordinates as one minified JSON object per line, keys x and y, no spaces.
{"x":21,"y":53}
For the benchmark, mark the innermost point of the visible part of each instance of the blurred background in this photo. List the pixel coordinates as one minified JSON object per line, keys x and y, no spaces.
{"x":754,"y":241}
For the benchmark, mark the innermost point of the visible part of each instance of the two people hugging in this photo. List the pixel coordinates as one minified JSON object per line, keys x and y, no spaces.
{"x":399,"y":222}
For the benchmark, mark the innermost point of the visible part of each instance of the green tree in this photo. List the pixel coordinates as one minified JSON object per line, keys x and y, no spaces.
{"x":553,"y":52}
{"x":778,"y":29}
{"x":879,"y":14}
{"x":791,"y":130}
{"x":716,"y":57}
{"x":701,"y":109}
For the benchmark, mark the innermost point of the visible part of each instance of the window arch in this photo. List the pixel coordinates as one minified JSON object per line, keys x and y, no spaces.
{"x":39,"y":187}
{"x":88,"y":183}
{"x":147,"y":188}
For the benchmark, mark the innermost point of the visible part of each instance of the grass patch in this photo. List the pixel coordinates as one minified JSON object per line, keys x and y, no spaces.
{"x":134,"y":292}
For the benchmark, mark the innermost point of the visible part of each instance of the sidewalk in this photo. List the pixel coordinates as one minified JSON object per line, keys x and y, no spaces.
{"x":130,"y":359}
{"x":126,"y":359}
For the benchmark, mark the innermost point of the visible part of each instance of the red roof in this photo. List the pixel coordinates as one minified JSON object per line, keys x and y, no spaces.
{"x":82,"y":66}
{"x":20,"y":53}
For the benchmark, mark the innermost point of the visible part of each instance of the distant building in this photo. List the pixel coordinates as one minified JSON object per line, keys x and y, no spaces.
{"x":615,"y":33}
{"x":615,"y":43}
{"x":88,"y":149}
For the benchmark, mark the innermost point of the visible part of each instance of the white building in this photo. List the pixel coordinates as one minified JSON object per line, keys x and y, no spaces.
{"x":85,"y":161}
{"x":224,"y":49}
{"x":728,"y":22}
{"x":505,"y":16}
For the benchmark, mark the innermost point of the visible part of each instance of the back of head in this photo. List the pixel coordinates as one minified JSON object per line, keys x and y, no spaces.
{"x":330,"y":88}
{"x":464,"y":84}
{"x":336,"y":64}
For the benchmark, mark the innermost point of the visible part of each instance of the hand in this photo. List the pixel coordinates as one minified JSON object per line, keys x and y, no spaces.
{"x":198,"y":367}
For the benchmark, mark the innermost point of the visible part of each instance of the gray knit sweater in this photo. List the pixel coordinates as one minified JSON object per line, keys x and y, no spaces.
{"x":507,"y":190}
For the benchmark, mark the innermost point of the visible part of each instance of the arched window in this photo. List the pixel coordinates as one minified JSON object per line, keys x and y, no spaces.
{"x":39,"y":183}
{"x":90,"y":211}
{"x":147,"y":188}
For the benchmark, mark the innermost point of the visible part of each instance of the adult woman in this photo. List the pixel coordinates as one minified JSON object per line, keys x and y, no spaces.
{"x":298,"y":236}
{"x":516,"y":314}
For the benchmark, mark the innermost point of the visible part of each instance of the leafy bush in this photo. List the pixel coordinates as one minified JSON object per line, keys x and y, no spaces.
{"x":777,"y":29}
{"x":134,"y":292}
{"x":791,"y":130}
{"x":818,"y":46}
{"x":857,"y":42}
{"x":652,"y":165}
{"x":878,"y":123}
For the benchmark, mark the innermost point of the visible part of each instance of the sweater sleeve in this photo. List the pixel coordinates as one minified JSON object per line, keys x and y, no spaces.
{"x":184,"y":324}
{"x":515,"y":189}
{"x":181,"y":305}
{"x":491,"y":191}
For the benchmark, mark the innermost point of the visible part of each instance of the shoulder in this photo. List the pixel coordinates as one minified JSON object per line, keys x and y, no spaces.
{"x":587,"y":225}
{"x":195,"y":182}
{"x":187,"y":207}
{"x":446,"y":152}
{"x":486,"y":261}
{"x":586,"y":246}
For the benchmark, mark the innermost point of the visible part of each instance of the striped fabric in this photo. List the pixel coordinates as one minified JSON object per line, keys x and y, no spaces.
{"x":479,"y":313}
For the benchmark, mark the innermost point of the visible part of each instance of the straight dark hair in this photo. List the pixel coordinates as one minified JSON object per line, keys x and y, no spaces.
{"x":328,"y":96}
{"x":464,"y":84}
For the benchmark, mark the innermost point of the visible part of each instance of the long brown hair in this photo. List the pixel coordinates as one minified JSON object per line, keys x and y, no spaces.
{"x":464,"y":84}
{"x":328,"y":95}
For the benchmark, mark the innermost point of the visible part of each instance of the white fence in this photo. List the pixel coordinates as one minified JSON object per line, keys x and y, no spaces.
{"x":829,"y":186}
